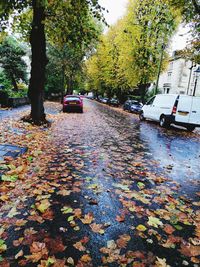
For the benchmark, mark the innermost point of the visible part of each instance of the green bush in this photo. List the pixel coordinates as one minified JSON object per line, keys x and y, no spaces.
{"x":20,"y":93}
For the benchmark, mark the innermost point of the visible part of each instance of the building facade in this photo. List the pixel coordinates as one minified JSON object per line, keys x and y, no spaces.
{"x":181,"y":77}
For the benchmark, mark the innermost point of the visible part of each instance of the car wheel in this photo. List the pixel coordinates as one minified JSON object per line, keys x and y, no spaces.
{"x":141,"y":116}
{"x":81,"y":110}
{"x":64,"y":110}
{"x":190,"y":128}
{"x":164,"y":122}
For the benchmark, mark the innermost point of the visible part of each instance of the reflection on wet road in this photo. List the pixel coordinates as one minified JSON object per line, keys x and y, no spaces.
{"x":175,"y":149}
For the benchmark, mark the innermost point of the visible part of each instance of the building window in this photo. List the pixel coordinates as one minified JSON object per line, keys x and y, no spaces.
{"x":169,"y":74}
{"x":171,"y":65}
{"x":166,"y":90}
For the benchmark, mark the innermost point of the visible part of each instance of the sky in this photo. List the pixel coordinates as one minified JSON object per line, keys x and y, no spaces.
{"x":117,"y":9}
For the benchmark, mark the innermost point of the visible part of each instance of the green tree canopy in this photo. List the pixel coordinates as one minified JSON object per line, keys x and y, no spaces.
{"x":11,"y":60}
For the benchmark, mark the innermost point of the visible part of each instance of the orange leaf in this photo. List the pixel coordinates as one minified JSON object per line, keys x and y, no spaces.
{"x":120,"y":218}
{"x":123,"y":241}
{"x":190,"y":250}
{"x":169,"y":229}
{"x":79,"y":246}
{"x":86,"y":258}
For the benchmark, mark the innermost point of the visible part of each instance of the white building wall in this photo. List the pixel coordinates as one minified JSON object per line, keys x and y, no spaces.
{"x":179,"y":78}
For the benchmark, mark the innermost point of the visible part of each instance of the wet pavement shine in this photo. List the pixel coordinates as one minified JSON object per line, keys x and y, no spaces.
{"x":116,"y":192}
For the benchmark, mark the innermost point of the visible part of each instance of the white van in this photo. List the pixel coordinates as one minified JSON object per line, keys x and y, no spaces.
{"x":181,"y":110}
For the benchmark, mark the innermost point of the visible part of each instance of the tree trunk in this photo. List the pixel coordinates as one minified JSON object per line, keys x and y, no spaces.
{"x":63,"y":84}
{"x":70,"y":86}
{"x":38,"y":64}
{"x":14,"y":83}
{"x":143,"y":90}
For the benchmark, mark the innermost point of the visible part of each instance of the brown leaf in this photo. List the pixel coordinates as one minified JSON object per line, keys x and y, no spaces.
{"x":18,"y":242}
{"x":64,"y":192}
{"x":4,"y":263}
{"x":79,"y":246}
{"x":38,"y":250}
{"x":190,"y":250}
{"x":20,"y":222}
{"x":97,"y":228}
{"x":136,"y":254}
{"x":48,"y":215}
{"x":78,"y":213}
{"x":37,"y":247}
{"x":36,"y":218}
{"x":123,"y":241}
{"x":85,"y":240}
{"x":54,"y":245}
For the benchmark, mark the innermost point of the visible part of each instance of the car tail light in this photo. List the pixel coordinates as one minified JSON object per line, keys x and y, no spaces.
{"x":174,"y":110}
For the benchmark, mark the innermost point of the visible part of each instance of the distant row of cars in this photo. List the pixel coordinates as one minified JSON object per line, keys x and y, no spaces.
{"x":130,"y":105}
{"x":110,"y":101}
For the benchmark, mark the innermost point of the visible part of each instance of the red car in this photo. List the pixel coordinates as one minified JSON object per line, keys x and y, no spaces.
{"x":72,"y":103}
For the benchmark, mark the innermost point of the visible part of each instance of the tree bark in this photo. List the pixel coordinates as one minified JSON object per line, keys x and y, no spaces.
{"x":70,"y":85}
{"x":143,"y":90}
{"x":38,"y":64}
{"x":14,"y":83}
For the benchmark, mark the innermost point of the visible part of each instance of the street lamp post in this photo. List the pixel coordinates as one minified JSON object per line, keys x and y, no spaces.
{"x":197,"y":72}
{"x":192,"y":66}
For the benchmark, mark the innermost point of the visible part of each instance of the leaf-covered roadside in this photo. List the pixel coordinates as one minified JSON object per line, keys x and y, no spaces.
{"x":89,"y":196}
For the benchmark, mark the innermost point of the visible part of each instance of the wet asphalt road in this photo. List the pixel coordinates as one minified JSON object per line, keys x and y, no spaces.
{"x":119,"y":172}
{"x":102,"y":146}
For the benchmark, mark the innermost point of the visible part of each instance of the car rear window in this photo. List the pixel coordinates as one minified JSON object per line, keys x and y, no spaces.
{"x":72,"y":98}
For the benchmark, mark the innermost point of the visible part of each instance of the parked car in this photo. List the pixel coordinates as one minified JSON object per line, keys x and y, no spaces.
{"x":180,"y":110}
{"x":90,"y":96}
{"x":99,"y":98}
{"x":136,"y":107}
{"x":104,"y":100}
{"x":113,"y":102}
{"x":72,"y":103}
{"x":128,"y":103}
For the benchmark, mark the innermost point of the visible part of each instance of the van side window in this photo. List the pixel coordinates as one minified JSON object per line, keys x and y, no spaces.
{"x":150,"y":102}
